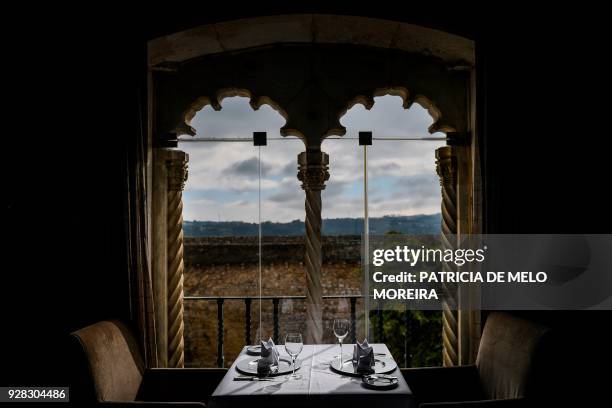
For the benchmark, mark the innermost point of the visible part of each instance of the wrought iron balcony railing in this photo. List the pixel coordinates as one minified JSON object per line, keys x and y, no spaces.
{"x":248,"y":300}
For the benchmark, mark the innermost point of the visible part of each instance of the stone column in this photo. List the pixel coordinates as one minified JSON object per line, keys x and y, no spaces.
{"x":159,"y":249}
{"x":313,"y":166}
{"x":446,"y":167}
{"x":468,"y":296}
{"x":176,"y":164}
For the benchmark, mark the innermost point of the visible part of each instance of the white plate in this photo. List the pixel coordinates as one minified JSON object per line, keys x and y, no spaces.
{"x":382,"y":365}
{"x":249,"y":367}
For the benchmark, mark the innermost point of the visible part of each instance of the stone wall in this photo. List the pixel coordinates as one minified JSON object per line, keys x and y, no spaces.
{"x":205,"y":251}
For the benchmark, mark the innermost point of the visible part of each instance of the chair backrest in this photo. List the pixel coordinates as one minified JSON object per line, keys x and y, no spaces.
{"x":506,"y":355}
{"x":114,"y":359}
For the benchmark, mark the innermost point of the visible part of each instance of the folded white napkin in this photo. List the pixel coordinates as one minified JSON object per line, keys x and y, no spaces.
{"x":269,"y":356}
{"x":363,"y":356}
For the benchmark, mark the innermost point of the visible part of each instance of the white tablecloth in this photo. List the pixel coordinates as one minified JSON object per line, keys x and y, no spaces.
{"x":319,"y":386}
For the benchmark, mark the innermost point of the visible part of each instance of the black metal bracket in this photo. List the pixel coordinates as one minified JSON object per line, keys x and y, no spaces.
{"x":260,"y":138}
{"x":365,"y":138}
{"x":458,"y":138}
{"x":165,"y":140}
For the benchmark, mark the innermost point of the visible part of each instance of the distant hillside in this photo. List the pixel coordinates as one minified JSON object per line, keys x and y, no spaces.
{"x":413,"y":224}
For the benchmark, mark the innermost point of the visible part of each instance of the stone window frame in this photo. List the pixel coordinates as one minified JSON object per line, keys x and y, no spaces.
{"x":181,"y":82}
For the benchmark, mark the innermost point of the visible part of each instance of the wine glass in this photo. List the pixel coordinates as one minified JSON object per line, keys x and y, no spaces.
{"x":341,"y":330}
{"x":293,"y":347}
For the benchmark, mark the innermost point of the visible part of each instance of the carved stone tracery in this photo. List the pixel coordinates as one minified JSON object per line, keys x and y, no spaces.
{"x":311,"y":86}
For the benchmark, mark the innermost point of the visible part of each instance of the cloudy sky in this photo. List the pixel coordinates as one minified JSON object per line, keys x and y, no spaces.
{"x":223,"y":176}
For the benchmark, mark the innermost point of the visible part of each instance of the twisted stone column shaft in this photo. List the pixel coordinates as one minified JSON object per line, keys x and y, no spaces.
{"x":177,"y":175}
{"x":313,"y":262}
{"x":447,"y":171}
{"x":176,"y":269}
{"x":313,"y":173}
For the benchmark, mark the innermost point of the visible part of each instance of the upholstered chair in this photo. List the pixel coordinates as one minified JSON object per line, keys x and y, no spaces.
{"x":510,"y":369}
{"x":109,"y":370}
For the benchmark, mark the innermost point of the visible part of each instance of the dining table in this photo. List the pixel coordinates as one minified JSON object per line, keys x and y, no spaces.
{"x":318,"y":386}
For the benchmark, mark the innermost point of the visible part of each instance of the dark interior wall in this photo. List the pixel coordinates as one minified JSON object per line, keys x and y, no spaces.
{"x":545,"y":153}
{"x":73,"y":109}
{"x":72,"y":112}
{"x":546,"y":164}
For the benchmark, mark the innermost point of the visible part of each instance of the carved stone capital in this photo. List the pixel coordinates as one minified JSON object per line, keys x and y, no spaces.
{"x":313,"y":170}
{"x":176,"y":163}
{"x":446,"y":165}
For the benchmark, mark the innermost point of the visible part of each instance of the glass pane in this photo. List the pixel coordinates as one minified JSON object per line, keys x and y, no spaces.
{"x":342,"y":213}
{"x":221,"y":228}
{"x":404,"y":197}
{"x":282,"y":206}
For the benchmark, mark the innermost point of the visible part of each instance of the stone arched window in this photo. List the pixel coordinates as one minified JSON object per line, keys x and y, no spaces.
{"x":312,"y":69}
